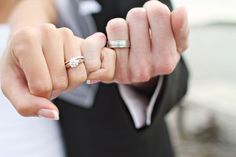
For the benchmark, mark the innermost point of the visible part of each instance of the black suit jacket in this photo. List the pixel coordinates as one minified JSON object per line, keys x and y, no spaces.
{"x":107,"y":129}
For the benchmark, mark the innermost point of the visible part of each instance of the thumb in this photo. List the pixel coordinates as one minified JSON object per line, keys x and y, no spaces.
{"x":15,"y":88}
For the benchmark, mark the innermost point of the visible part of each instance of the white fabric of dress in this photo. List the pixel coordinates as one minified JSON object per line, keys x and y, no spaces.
{"x":25,"y":137}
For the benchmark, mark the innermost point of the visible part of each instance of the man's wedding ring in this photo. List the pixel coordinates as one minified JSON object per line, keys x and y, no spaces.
{"x":74,"y":62}
{"x":118,"y":44}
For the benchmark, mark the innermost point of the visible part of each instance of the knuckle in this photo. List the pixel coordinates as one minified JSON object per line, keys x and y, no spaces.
{"x":122,"y":78}
{"x":142,"y":76}
{"x":136,"y":14}
{"x":166,"y":67}
{"x":19,"y":50}
{"x":157,"y":9}
{"x":90,"y":42}
{"x":26,"y":32}
{"x":24,"y":110}
{"x":142,"y":71}
{"x":22,"y":40}
{"x":25,"y":35}
{"x":41,"y":88}
{"x":47,"y":28}
{"x":116,"y":25}
{"x":49,"y":32}
{"x":60,"y":84}
{"x":95,"y":41}
{"x":101,"y":35}
{"x":66,"y":32}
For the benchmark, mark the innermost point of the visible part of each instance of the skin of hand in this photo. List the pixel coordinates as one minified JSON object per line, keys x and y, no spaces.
{"x":33,"y":68}
{"x":30,"y":74}
{"x":157,"y":36}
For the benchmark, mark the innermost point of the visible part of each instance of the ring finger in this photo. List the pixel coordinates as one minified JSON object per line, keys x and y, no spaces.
{"x":52,"y":45}
{"x":76,"y":75}
{"x":117,"y":29}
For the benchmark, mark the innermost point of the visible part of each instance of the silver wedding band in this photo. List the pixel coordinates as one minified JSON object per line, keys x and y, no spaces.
{"x":118,"y":44}
{"x":74,"y":62}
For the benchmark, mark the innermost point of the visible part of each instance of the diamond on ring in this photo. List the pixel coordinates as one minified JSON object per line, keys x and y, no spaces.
{"x":74,"y":62}
{"x":118,"y":44}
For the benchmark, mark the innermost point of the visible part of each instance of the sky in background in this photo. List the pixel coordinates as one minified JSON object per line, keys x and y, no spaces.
{"x":209,"y":11}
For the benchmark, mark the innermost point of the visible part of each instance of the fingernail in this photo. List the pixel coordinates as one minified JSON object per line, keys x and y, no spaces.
{"x":92,"y":81}
{"x":48,"y":114}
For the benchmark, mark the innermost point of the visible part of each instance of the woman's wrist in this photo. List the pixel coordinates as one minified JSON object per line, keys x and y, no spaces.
{"x":32,"y":13}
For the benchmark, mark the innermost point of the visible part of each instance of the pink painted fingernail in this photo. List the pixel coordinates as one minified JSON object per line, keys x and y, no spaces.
{"x":92,"y":81}
{"x":48,"y":114}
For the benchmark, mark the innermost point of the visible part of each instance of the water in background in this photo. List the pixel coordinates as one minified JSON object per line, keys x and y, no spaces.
{"x":204,"y":125}
{"x":208,"y":11}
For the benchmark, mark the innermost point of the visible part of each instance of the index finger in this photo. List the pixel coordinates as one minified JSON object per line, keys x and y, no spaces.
{"x":27,"y":50}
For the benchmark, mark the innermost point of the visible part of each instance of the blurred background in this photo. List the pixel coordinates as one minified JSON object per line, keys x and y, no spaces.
{"x":204,"y":125}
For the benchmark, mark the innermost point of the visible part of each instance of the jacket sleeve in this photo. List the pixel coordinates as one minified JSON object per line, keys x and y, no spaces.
{"x":145,"y":106}
{"x":172,"y":91}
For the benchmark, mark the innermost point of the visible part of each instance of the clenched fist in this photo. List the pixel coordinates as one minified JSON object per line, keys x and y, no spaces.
{"x":157,"y":37}
{"x":34,"y":72}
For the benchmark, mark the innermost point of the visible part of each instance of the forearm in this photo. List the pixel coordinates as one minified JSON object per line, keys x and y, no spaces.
{"x":32,"y":13}
{"x":6,"y":7}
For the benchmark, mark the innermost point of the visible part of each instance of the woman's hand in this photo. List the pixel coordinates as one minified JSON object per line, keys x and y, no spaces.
{"x":33,"y":67}
{"x":99,"y":61}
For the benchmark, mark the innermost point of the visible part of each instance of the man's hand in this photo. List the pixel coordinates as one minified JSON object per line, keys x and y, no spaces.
{"x":157,"y":36}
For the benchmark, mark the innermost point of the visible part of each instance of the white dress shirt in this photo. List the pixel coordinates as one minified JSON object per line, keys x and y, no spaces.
{"x":138,"y":105}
